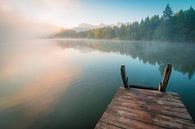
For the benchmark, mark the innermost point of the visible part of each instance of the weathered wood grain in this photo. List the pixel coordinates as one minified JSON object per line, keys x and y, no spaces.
{"x":145,"y":109}
{"x":103,"y":125}
{"x":166,"y":76}
{"x":174,"y":112}
{"x":127,"y":123}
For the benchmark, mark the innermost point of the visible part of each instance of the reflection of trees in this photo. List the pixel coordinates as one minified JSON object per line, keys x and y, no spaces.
{"x":180,"y":55}
{"x":161,"y":69}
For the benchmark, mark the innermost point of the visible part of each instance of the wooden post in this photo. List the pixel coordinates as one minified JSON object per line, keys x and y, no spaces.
{"x":124,"y":76}
{"x":166,"y":76}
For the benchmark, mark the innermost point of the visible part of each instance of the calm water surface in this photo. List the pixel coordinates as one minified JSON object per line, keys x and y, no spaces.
{"x":57,"y":84}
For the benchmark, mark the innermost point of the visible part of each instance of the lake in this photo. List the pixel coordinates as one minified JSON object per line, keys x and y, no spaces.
{"x":47,"y":84}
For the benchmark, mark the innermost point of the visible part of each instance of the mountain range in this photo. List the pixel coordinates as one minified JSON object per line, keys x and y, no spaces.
{"x":85,"y":27}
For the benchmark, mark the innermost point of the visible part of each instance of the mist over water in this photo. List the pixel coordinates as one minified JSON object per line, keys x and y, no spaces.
{"x":48,"y":84}
{"x":68,"y":83}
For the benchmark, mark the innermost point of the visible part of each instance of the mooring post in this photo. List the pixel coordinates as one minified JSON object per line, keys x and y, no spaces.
{"x":124,"y":76}
{"x":165,"y":79}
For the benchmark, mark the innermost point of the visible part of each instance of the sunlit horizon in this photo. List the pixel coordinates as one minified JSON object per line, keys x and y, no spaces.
{"x":68,"y":14}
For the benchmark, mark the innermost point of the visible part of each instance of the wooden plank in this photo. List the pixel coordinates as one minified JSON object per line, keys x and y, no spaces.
{"x":163,"y":100}
{"x":175,"y":112}
{"x":146,"y":109}
{"x":103,"y":125}
{"x":126,"y":123}
{"x":172,"y":103}
{"x":150,"y":118}
{"x":150,"y":92}
{"x":150,"y":103}
{"x":160,"y":101}
{"x":151,"y":100}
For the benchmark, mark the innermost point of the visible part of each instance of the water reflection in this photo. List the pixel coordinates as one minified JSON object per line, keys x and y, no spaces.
{"x":53,"y":83}
{"x":145,"y":61}
{"x":33,"y":78}
{"x":178,"y":54}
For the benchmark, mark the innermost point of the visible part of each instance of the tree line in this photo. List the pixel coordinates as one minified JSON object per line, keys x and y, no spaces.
{"x":179,"y":26}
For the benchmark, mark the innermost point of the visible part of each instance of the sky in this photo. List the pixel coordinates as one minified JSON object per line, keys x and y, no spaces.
{"x":71,"y":13}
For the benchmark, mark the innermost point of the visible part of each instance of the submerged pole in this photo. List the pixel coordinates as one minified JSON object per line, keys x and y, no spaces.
{"x":124,"y":76}
{"x":165,"y":79}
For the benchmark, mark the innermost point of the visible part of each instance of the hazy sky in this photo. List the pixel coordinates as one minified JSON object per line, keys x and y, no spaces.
{"x":70,"y":13}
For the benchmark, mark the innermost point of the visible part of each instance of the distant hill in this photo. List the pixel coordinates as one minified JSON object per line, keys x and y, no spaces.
{"x":74,"y":32}
{"x":86,"y":27}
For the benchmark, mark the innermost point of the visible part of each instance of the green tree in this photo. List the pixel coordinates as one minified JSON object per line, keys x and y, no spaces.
{"x":167,"y":13}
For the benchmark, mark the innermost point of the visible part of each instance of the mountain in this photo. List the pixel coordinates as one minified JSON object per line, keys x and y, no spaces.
{"x":85,"y":27}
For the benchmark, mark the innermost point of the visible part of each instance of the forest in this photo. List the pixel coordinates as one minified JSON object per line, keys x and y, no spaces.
{"x":179,"y":27}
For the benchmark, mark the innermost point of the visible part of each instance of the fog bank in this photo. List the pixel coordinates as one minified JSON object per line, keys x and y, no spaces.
{"x":13,"y":25}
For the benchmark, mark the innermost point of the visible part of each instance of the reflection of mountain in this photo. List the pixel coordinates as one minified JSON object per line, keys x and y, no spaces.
{"x":179,"y":54}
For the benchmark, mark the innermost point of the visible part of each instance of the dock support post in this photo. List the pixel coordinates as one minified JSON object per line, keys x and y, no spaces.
{"x":124,"y":76}
{"x":165,"y":79}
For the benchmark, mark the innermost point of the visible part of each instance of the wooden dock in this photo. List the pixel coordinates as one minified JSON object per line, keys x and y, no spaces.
{"x":142,"y":108}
